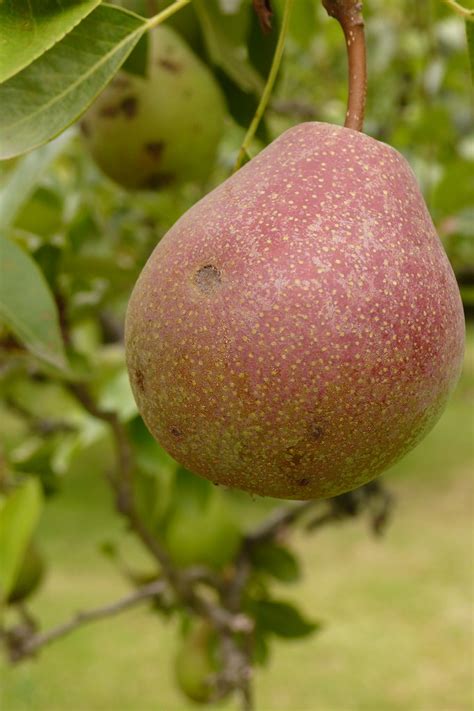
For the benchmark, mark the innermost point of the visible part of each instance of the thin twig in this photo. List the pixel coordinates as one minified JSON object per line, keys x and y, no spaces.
{"x":349,"y":15}
{"x":279,"y":520}
{"x":220,"y":618}
{"x":460,"y":10}
{"x":264,"y":12}
{"x":122,"y":478}
{"x":265,"y":98}
{"x":27,"y":647}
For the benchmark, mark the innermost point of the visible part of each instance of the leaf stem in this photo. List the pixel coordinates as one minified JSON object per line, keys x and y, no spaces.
{"x":268,"y":86}
{"x":463,"y":12}
{"x":349,"y":15}
{"x":164,"y":14}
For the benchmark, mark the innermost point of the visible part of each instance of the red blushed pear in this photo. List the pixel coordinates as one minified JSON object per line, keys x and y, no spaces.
{"x":300,"y":328}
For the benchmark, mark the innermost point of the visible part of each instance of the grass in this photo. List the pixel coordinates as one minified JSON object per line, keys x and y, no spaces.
{"x":397,"y":633}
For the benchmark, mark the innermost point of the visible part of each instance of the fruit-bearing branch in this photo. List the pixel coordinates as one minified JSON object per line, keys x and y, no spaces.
{"x":25,"y":645}
{"x":349,"y":15}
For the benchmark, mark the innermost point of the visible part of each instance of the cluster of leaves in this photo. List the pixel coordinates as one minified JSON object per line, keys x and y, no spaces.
{"x":72,"y":243}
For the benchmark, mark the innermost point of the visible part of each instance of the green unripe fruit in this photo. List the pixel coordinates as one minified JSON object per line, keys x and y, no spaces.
{"x":208,"y":536}
{"x":29,"y":577}
{"x":196,"y":663}
{"x":162,"y":129}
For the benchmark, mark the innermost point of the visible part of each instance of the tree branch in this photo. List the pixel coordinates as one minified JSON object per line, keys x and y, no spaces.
{"x":21,"y":645}
{"x":219,"y":617}
{"x":349,"y":15}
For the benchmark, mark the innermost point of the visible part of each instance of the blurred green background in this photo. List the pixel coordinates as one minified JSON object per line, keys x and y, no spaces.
{"x":396,"y":613}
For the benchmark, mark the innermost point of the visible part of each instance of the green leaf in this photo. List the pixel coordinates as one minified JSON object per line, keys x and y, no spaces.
{"x":281,"y":619}
{"x":303,"y":23}
{"x":42,"y":214}
{"x":52,"y":92}
{"x":137,"y":61}
{"x":261,"y":649}
{"x":27,"y":305}
{"x":470,"y":45}
{"x":19,"y":516}
{"x":226,"y":46}
{"x":455,"y":190}
{"x":277,"y":561}
{"x":154,"y":477}
{"x":30,"y":27}
{"x":150,"y":456}
{"x":24,"y":177}
{"x":191,"y":491}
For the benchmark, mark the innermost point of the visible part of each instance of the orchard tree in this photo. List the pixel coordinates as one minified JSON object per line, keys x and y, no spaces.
{"x":295,"y":332}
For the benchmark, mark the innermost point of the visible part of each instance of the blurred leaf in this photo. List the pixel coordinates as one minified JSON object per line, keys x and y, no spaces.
{"x":185,"y":23}
{"x":150,"y":456}
{"x":242,"y":105}
{"x":470,"y":45}
{"x":19,"y":515}
{"x":115,"y":394}
{"x":30,"y":27}
{"x":455,"y":190}
{"x":281,"y":619}
{"x":45,"y":399}
{"x":303,"y":21}
{"x":261,"y":649}
{"x":24,"y":177}
{"x":42,"y":214}
{"x":153,"y":493}
{"x":277,"y":561}
{"x":154,"y":478}
{"x":225,"y":46}
{"x":191,"y":491}
{"x":109,"y":549}
{"x":137,"y":61}
{"x":303,"y":24}
{"x":48,"y":258}
{"x":49,"y":94}
{"x":27,"y":305}
{"x":261,"y":47}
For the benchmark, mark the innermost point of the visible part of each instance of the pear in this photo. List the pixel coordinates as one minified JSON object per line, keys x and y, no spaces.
{"x":300,"y":328}
{"x":162,"y":129}
{"x":29,"y":577}
{"x":195,"y":663}
{"x":207,"y":535}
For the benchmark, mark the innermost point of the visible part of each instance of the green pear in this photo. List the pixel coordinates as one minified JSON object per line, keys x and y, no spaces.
{"x":208,"y":536}
{"x":162,"y":129}
{"x":29,"y":577}
{"x":196,"y":663}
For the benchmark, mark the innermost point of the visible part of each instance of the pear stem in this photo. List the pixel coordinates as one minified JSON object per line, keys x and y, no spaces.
{"x":265,"y":98}
{"x":349,"y":15}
